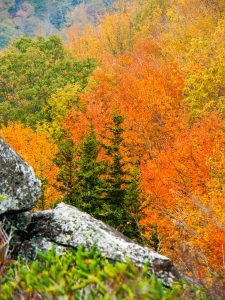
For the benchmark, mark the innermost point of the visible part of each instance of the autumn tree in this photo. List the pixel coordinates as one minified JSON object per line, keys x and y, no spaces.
{"x":37,"y":148}
{"x":60,"y":103}
{"x":115,"y":35}
{"x":206,"y":61}
{"x":181,"y":198}
{"x":161,"y":67}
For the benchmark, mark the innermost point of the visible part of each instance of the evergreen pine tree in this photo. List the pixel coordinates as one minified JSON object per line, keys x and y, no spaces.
{"x":67,"y":162}
{"x":117,"y":181}
{"x":108,"y":191}
{"x":133,"y":207}
{"x":89,"y":175}
{"x":154,"y":240}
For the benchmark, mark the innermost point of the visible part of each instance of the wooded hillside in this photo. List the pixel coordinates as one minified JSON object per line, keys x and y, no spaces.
{"x":44,"y":17}
{"x":130,"y":114}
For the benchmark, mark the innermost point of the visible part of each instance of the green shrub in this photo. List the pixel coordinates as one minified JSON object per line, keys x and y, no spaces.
{"x":85,"y":275}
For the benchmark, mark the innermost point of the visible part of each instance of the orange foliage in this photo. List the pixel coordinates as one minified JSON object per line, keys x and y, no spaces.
{"x":179,"y":185}
{"x":35,"y":147}
{"x":152,"y":55}
{"x":145,"y":87}
{"x":182,"y":196}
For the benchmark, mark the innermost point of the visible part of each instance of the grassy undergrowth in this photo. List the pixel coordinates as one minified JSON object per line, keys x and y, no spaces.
{"x":85,"y":275}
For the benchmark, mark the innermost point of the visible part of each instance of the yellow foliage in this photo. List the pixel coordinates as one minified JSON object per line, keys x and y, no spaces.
{"x":37,"y":149}
{"x":59,"y":105}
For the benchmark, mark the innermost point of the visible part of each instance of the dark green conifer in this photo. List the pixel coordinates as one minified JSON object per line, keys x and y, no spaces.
{"x":116,"y":176}
{"x":121,"y":188}
{"x":154,"y":240}
{"x":133,"y":207}
{"x":89,"y":174}
{"x":67,"y":163}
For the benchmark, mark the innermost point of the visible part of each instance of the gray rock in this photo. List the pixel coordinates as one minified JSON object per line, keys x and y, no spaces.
{"x":30,"y":247}
{"x":66,"y":226}
{"x":19,"y":188}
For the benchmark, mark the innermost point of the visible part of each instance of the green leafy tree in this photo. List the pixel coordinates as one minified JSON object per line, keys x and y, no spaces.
{"x":31,"y":70}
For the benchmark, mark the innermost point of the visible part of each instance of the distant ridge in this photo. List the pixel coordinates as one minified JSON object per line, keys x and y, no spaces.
{"x":44,"y":17}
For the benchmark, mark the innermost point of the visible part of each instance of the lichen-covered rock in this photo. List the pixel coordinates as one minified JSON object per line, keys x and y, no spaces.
{"x":67,"y":226}
{"x":19,"y":188}
{"x":41,"y":245}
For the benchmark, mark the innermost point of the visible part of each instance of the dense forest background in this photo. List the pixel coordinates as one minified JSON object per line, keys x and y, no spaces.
{"x":124,"y":118}
{"x":45,"y":17}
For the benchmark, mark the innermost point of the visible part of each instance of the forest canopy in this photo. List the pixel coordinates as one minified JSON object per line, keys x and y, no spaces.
{"x":130,"y":111}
